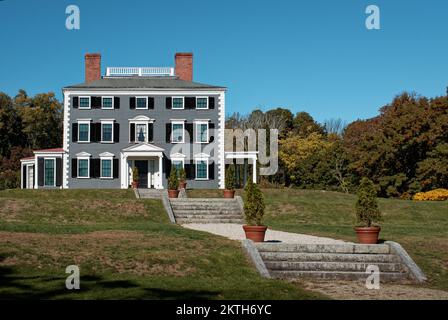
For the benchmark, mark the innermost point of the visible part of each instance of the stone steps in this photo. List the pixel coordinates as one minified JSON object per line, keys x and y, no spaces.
{"x":347,"y":261}
{"x":195,"y":220}
{"x":329,"y":257}
{"x":209,"y":210}
{"x":339,"y":275}
{"x":332,"y":266}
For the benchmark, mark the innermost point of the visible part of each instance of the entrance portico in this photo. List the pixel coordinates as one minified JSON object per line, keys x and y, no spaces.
{"x":148,"y":159}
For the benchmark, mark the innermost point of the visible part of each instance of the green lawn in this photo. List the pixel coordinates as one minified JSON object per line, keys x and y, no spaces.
{"x":125,"y":248}
{"x":421,"y":227}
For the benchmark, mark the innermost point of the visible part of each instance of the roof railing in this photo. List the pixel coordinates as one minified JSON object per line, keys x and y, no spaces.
{"x":139,"y":71}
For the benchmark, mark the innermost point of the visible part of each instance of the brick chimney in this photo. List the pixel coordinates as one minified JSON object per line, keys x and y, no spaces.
{"x":184,"y":65}
{"x":93,"y":66}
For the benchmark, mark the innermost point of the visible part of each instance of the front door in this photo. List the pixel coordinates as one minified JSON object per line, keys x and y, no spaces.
{"x":142,"y":166}
{"x":30,"y":178}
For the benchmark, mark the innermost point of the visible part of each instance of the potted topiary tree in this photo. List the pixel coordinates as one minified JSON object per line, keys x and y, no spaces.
{"x":254,"y":211}
{"x":367,"y":213}
{"x":182,"y":178}
{"x":173,"y":183}
{"x":229,"y":191}
{"x":135,"y":177}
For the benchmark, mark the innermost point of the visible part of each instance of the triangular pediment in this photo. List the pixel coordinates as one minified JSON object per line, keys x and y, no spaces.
{"x":143,"y":147}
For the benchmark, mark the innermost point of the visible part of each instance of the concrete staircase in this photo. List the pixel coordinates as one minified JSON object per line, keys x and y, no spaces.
{"x":331,"y":261}
{"x":207,"y":210}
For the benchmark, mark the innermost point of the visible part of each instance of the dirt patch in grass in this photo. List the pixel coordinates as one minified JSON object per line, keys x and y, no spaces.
{"x":356,"y":290}
{"x":11,"y":209}
{"x":117,"y":251}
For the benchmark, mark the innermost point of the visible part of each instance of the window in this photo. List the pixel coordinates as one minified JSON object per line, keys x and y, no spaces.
{"x":84,"y":132}
{"x":84,"y":102}
{"x":202,"y":169}
{"x":178,"y":132}
{"x":107,"y":102}
{"x":178,"y":164}
{"x":106,"y":168}
{"x":140,"y":132}
{"x":202,"y":132}
{"x":141,"y":103}
{"x":83,"y":168}
{"x":107,"y":132}
{"x":49,"y":172}
{"x":201,"y":103}
{"x":178,"y":103}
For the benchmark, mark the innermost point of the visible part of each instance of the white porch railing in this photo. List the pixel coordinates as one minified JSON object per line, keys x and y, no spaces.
{"x":139,"y":71}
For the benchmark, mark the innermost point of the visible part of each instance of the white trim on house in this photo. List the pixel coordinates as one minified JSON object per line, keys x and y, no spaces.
{"x":84,"y":121}
{"x":221,"y":139}
{"x":107,"y":97}
{"x":66,"y":140}
{"x":173,"y":122}
{"x":111,"y":122}
{"x":84,"y":97}
{"x":201,"y":97}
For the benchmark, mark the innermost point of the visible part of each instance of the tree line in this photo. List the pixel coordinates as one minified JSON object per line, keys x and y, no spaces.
{"x":403,"y":150}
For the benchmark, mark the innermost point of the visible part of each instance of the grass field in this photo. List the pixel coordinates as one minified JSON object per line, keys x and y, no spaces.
{"x":125,"y":248}
{"x":421,"y":227}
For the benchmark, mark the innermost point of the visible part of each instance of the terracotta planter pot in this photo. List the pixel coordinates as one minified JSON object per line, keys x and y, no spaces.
{"x":135,"y":184}
{"x":182,"y":185}
{"x":255,"y":233}
{"x":229,"y":193}
{"x":368,"y":235}
{"x":173,"y":193}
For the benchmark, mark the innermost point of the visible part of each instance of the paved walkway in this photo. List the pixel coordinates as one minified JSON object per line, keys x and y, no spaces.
{"x":236,"y":232}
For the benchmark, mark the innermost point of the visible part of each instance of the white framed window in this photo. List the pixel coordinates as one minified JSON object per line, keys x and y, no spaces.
{"x":84,"y":131}
{"x":201,"y":102}
{"x":107,"y":131}
{"x":178,"y":103}
{"x":49,"y":172}
{"x":178,"y":163}
{"x":85,"y":102}
{"x":177,"y":131}
{"x":141,"y":102}
{"x":107,"y":102}
{"x":106,"y":168}
{"x":141,"y":132}
{"x":201,"y":132}
{"x":83,"y":167}
{"x":201,"y":167}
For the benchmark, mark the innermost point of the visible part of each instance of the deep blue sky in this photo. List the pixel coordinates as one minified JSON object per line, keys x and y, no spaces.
{"x":311,"y":55}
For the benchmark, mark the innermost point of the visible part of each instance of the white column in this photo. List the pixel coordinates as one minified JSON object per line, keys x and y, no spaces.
{"x":123,"y":171}
{"x":254,"y":170}
{"x":160,"y":186}
{"x":21,"y":176}
{"x":36,"y":174}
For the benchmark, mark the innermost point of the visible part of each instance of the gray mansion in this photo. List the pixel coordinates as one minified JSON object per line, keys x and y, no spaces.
{"x":151,"y":118}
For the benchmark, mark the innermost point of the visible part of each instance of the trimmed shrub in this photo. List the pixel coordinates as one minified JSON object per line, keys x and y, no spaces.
{"x":173,"y":180}
{"x":254,"y":205}
{"x":367,"y":212}
{"x":230,"y":177}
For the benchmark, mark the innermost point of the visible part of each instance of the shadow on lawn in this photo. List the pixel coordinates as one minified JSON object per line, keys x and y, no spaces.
{"x":16,"y":285}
